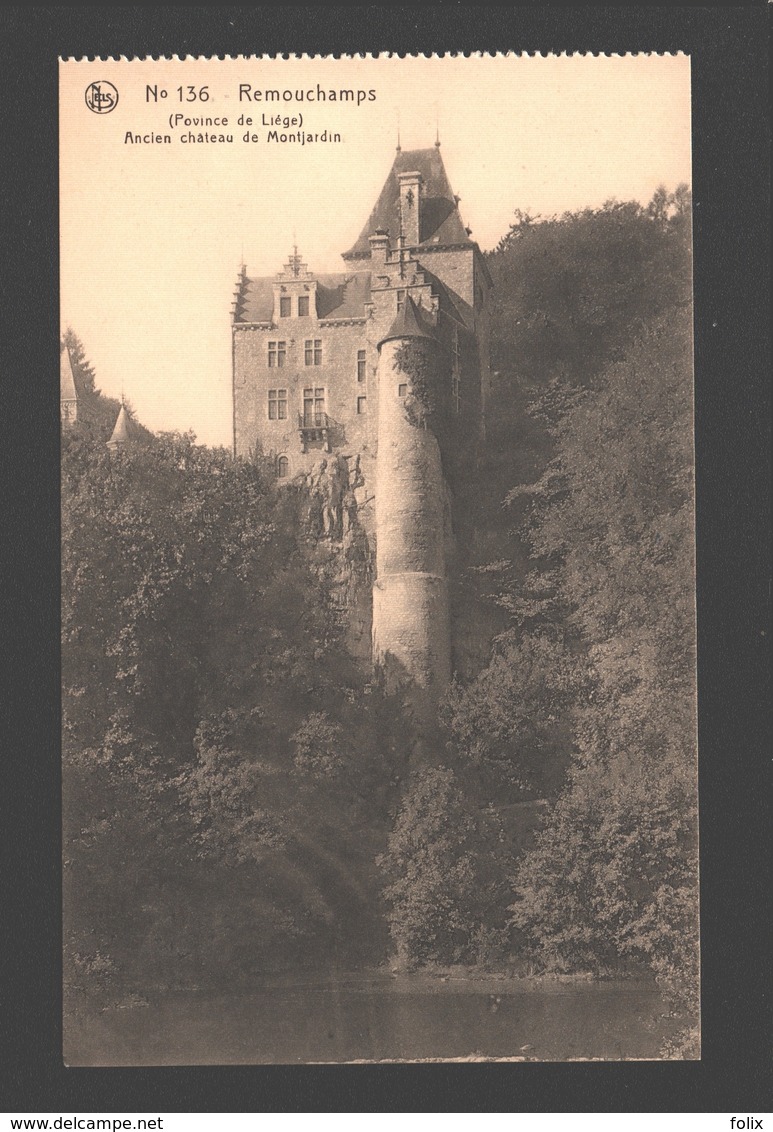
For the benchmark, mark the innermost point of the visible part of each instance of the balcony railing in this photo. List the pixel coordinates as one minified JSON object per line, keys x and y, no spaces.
{"x":313,"y":420}
{"x":314,"y":427}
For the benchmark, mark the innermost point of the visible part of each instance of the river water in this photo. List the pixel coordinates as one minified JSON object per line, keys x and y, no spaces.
{"x":342,"y":1019}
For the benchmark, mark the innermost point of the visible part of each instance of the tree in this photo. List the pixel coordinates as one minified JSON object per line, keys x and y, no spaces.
{"x":96,"y":413}
{"x":570,"y":291}
{"x":596,"y":670}
{"x":443,"y":887}
{"x":508,"y":727}
{"x":570,"y":295}
{"x":83,"y":371}
{"x":205,"y":684}
{"x":614,"y":874}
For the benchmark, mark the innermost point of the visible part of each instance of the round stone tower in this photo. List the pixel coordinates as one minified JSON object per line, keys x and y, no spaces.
{"x":411,"y":634}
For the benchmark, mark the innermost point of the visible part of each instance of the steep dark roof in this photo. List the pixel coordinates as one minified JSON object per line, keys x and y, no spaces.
{"x":67,"y":388}
{"x":343,"y":296}
{"x":338,"y":296}
{"x":440,"y":222}
{"x":408,"y":324}
{"x":256,"y":300}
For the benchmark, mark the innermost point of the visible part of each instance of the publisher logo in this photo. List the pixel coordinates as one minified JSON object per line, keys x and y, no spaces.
{"x":101,"y":97}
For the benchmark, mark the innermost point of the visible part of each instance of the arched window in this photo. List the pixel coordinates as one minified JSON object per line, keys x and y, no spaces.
{"x":282,"y":467}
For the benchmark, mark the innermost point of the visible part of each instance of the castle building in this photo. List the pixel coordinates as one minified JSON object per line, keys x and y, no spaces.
{"x":324,"y":386}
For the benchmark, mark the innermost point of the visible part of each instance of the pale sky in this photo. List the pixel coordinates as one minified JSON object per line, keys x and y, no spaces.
{"x":152,"y":234}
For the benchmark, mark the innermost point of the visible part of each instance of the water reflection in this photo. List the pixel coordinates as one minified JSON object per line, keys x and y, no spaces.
{"x":338,"y":1020}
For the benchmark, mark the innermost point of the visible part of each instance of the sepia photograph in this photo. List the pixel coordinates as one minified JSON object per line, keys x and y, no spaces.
{"x":379,"y":687}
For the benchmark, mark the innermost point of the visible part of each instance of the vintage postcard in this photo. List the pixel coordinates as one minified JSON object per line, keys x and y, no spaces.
{"x":379,"y":693}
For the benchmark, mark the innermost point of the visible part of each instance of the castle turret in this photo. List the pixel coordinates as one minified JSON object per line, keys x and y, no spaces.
{"x":68,"y":393}
{"x":120,"y":435}
{"x":411,"y":637}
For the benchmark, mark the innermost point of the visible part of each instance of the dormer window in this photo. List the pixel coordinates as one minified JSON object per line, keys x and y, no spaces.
{"x":303,"y":306}
{"x":285,"y":306}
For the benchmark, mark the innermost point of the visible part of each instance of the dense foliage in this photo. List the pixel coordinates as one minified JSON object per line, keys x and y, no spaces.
{"x":588,"y":699}
{"x":428,"y":404}
{"x":445,"y":882}
{"x":227,"y":773}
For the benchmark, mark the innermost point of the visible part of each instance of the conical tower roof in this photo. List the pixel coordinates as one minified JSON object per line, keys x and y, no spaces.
{"x":67,"y":390}
{"x":408,"y":324}
{"x":121,"y":431}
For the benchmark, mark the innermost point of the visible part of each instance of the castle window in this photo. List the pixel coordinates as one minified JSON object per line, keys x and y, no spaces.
{"x":277,"y":404}
{"x":313,"y":352}
{"x":303,"y":306}
{"x":285,"y":306}
{"x":400,"y":300}
{"x":362,"y":405}
{"x":276,"y":354}
{"x":402,"y":390}
{"x":282,"y":467}
{"x":313,"y":407}
{"x":361,"y":365}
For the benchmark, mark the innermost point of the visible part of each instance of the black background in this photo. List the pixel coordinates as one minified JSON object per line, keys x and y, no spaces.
{"x":729,"y":47}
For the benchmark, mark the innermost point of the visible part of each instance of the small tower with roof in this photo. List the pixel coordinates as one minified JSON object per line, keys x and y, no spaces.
{"x":68,"y":393}
{"x":120,"y":436}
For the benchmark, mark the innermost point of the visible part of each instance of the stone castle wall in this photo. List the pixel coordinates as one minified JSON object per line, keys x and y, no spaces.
{"x":454,"y":269}
{"x":411,"y":631}
{"x":352,"y":432}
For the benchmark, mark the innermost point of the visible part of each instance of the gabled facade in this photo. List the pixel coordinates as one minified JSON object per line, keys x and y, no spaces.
{"x":317,"y":388}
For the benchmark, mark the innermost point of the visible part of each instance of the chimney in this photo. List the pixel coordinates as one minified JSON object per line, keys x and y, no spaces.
{"x":379,"y":247}
{"x":410,"y":198}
